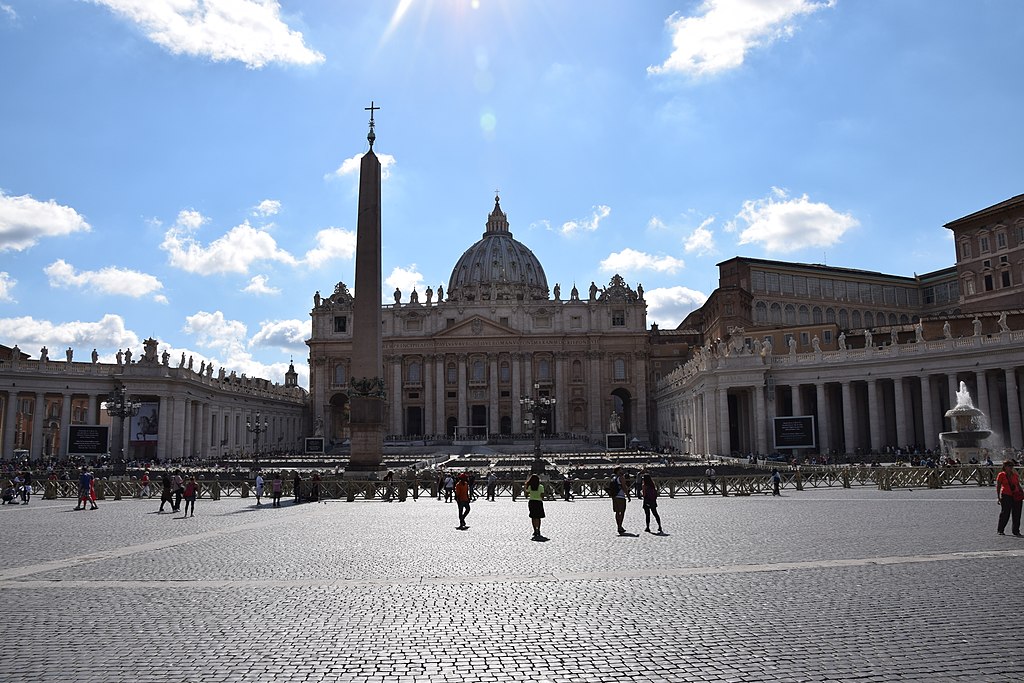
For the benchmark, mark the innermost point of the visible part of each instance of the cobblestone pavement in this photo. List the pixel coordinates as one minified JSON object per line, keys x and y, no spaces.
{"x":820,"y":585}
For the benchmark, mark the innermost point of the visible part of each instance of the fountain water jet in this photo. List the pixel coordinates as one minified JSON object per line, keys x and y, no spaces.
{"x":965,"y":439}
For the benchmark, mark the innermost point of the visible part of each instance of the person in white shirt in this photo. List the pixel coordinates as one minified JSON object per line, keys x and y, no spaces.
{"x":259,"y":487}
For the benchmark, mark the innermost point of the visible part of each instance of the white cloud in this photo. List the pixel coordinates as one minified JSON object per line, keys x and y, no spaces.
{"x":190,"y":220}
{"x":234,"y":252}
{"x":268,"y":207}
{"x":701,"y":240}
{"x":24,"y":221}
{"x":600,"y":212}
{"x":351,"y":166}
{"x":781,"y":224}
{"x":542,"y":224}
{"x":30,"y":334}
{"x":655,"y":223}
{"x":213,"y":330}
{"x":6,"y":286}
{"x":630,"y":260}
{"x":667,"y":306}
{"x":258,"y":285}
{"x":331,"y":243}
{"x":286,"y":335}
{"x":248,"y":31}
{"x":720,"y":35}
{"x":109,"y":280}
{"x":8,"y":10}
{"x":404,"y":279}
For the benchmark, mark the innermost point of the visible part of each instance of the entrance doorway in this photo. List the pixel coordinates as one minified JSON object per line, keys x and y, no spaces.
{"x":414,"y":420}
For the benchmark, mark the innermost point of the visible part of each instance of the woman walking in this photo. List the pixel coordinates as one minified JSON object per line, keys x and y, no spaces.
{"x":650,"y":494}
{"x":259,"y":487}
{"x":535,"y":501}
{"x":190,"y":495}
{"x":1010,"y":498}
{"x":275,"y":489}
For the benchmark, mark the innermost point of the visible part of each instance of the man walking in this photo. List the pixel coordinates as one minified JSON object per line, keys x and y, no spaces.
{"x":462,"y":495}
{"x":619,"y":491}
{"x":165,"y":491}
{"x":710,"y":474}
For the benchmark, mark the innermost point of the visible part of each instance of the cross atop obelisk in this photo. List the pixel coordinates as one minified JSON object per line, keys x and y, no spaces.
{"x":371,"y":136}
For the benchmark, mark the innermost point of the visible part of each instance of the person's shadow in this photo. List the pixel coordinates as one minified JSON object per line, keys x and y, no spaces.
{"x":629,"y":534}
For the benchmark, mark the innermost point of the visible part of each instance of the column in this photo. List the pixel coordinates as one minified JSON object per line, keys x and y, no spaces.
{"x":760,"y":433}
{"x":65,"y":425}
{"x":90,"y":417}
{"x":561,"y":392}
{"x":594,"y":398}
{"x":640,"y":371}
{"x":901,"y":412}
{"x":931,"y":432}
{"x":954,"y":386}
{"x":10,"y":422}
{"x":1013,"y":408}
{"x":517,"y":392}
{"x":874,"y":416}
{"x":722,"y":415}
{"x":798,"y":403}
{"x":848,"y":434}
{"x":38,"y":418}
{"x":824,"y":437}
{"x":493,"y":418}
{"x":428,"y":394}
{"x":397,"y":419}
{"x":187,"y":425}
{"x":163,"y":436}
{"x":981,"y":382}
{"x":440,"y":368}
{"x":463,"y":391}
{"x":205,"y":434}
{"x":177,"y":432}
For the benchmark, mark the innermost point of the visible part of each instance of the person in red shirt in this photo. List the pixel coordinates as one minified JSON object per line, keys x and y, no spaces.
{"x":462,"y":499}
{"x":1010,"y":497}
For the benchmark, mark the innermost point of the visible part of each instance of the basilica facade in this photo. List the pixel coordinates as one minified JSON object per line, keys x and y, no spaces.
{"x":458,"y":361}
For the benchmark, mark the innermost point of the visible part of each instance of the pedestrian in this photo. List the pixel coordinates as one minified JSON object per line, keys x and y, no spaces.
{"x":389,"y":487}
{"x":84,"y":481}
{"x":567,"y":487}
{"x":26,"y":487}
{"x":144,"y":482}
{"x":449,"y":486}
{"x":462,"y":497}
{"x":1010,"y":498}
{"x":314,"y":487}
{"x":535,"y":503}
{"x":259,"y":487}
{"x":92,"y":490}
{"x":165,"y":491}
{"x":638,"y":483}
{"x":776,"y":481}
{"x":492,"y":485}
{"x":297,"y":486}
{"x":178,"y":486}
{"x":276,"y":486}
{"x":191,"y":492}
{"x":710,"y":474}
{"x":650,"y":496}
{"x":619,"y":492}
{"x":440,"y":484}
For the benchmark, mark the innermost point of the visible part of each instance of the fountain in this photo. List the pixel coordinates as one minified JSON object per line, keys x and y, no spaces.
{"x":968,"y":427}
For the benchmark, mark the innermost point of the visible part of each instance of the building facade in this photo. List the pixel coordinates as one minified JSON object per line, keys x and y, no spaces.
{"x":457,"y":362}
{"x":185,"y":412}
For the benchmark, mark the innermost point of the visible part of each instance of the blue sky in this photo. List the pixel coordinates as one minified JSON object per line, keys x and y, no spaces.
{"x":182,"y":169}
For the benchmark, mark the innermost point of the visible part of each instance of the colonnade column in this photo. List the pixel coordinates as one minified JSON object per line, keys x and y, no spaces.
{"x":440,"y":368}
{"x":824,"y":436}
{"x":205,"y":435}
{"x":874,"y":416}
{"x":722,"y":416}
{"x":493,"y":418}
{"x":10,"y":422}
{"x":463,"y":397}
{"x":901,"y":412}
{"x":640,"y":371}
{"x":395,"y":397}
{"x":65,"y":425}
{"x":38,"y":417}
{"x":848,"y":433}
{"x":517,"y":391}
{"x":561,"y":392}
{"x":931,"y":433}
{"x":798,"y":403}
{"x":90,"y":410}
{"x":761,"y":437}
{"x":163,"y":436}
{"x":1013,"y":408}
{"x":177,"y":428}
{"x":428,"y":394}
{"x":981,"y":382}
{"x":954,"y":386}
{"x":187,"y":428}
{"x":594,"y":398}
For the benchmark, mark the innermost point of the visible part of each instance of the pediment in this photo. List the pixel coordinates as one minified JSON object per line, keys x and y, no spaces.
{"x":478,"y":327}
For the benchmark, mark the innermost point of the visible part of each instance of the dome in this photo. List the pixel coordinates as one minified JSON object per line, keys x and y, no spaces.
{"x":498,"y":266}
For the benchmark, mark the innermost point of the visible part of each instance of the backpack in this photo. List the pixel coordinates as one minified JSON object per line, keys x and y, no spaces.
{"x":612,"y":487}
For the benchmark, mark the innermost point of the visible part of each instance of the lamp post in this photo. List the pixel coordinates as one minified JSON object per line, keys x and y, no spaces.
{"x":257,"y":428}
{"x":121,"y":405}
{"x":538,"y":409}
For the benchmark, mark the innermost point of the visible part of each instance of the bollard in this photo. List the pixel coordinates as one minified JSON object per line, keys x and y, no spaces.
{"x":433,"y":489}
{"x":846,"y":479}
{"x":415,"y":489}
{"x":403,"y":491}
{"x":117,"y":490}
{"x":517,"y":488}
{"x":933,"y":479}
{"x":371,"y":491}
{"x":799,"y":479}
{"x":350,"y":492}
{"x":50,"y":490}
{"x":245,"y":489}
{"x":215,"y":490}
{"x":725,"y":489}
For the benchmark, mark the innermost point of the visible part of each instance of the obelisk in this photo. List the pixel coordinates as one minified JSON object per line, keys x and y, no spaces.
{"x":367,"y":396}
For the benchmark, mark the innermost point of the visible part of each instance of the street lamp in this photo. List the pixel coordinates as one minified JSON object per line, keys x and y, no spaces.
{"x":121,"y":405}
{"x":254,"y":426}
{"x":538,"y":409}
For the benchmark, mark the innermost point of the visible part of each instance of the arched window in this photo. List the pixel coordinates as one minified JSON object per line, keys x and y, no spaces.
{"x":619,"y":369}
{"x":760,"y":312}
{"x":892,"y":319}
{"x":805,"y":316}
{"x":577,"y":371}
{"x":869,"y":319}
{"x":855,"y":319}
{"x":414,"y":372}
{"x":790,"y":314}
{"x":453,"y":374}
{"x":904,"y":320}
{"x":830,"y":315}
{"x":844,"y":319}
{"x":339,"y":374}
{"x":506,"y":373}
{"x":816,"y":315}
{"x":478,"y":371}
{"x":544,"y":369}
{"x":776,"y":314}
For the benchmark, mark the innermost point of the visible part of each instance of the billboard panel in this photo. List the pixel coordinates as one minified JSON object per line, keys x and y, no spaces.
{"x":145,"y":426}
{"x":794,"y":431}
{"x":615,"y":442}
{"x":314,"y":445}
{"x":87,"y":440}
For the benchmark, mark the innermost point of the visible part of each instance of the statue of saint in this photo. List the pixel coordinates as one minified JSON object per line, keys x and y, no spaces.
{"x":430,"y":294}
{"x":43,"y":357}
{"x":127,"y":356}
{"x":947,"y":331}
{"x":977,"y":327}
{"x":842,"y":341}
{"x":398,"y":295}
{"x":640,"y":291}
{"x":1003,"y":327}
{"x":414,"y":297}
{"x":867,"y":339}
{"x":316,"y":299}
{"x":190,"y":363}
{"x":919,"y":331}
{"x":120,"y":357}
{"x":209,"y":370}
{"x":767,"y":348}
{"x":165,"y":357}
{"x":593,"y":290}
{"x":95,"y":356}
{"x":69,"y":353}
{"x":440,"y":293}
{"x":558,"y":292}
{"x":181,"y":363}
{"x":894,"y":336}
{"x":614,"y":423}
{"x":318,"y":426}
{"x":816,"y":344}
{"x":792,"y":345}
{"x":202,"y":368}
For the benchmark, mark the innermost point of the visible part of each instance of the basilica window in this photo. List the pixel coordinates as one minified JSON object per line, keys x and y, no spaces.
{"x":965,"y":250}
{"x":478,"y":372}
{"x":339,"y":374}
{"x":869,"y":319}
{"x":805,"y":315}
{"x":452,"y":374}
{"x":577,"y":371}
{"x":575,"y":321}
{"x":855,"y":319}
{"x":619,"y":369}
{"x":826,"y":336}
{"x":1000,"y":240}
{"x":760,"y":312}
{"x":776,"y":314}
{"x":790,"y":314}
{"x":983,"y":244}
{"x":844,"y":319}
{"x":544,"y":369}
{"x":989,"y":283}
{"x":341,"y":323}
{"x":618,"y":318}
{"x":816,"y":315}
{"x":413,"y":372}
{"x":1005,"y":278}
{"x":830,"y":315}
{"x":414,"y":324}
{"x":505,"y":372}
{"x":892,"y":319}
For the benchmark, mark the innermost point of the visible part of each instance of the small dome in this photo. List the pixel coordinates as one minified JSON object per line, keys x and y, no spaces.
{"x":498,"y":266}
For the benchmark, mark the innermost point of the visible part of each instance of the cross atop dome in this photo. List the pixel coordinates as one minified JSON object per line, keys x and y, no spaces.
{"x":497,"y":221}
